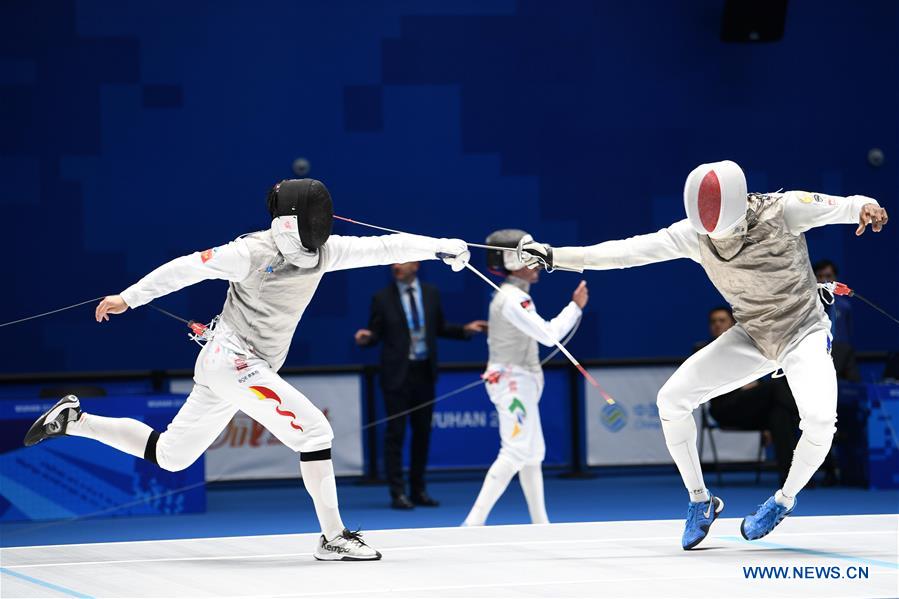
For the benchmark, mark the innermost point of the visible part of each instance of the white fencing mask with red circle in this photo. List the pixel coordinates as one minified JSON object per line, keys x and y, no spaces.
{"x":715,"y":198}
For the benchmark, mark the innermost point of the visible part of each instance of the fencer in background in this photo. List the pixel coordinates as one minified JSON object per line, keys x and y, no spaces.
{"x":752,"y":247}
{"x":514,"y":377}
{"x":273,"y":275}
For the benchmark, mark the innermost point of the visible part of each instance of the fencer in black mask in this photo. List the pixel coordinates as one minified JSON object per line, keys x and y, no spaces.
{"x":302,"y":218}
{"x":272,"y":277}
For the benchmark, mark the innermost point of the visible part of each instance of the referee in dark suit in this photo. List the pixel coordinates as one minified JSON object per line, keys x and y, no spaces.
{"x":407,"y":318}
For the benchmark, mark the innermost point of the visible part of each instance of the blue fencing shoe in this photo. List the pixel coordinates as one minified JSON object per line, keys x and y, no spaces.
{"x":700,"y":515}
{"x":763,"y":521}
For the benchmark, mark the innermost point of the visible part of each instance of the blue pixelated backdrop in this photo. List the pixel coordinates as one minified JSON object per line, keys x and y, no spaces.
{"x":76,"y":477}
{"x":133,"y":133}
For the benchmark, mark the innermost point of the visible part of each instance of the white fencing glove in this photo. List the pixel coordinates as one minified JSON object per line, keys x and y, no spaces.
{"x":453,"y":252}
{"x":542,"y":255}
{"x":535,"y":255}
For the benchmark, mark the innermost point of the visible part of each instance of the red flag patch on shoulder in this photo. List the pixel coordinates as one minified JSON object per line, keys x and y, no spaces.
{"x":526,"y":304}
{"x":206,"y":255}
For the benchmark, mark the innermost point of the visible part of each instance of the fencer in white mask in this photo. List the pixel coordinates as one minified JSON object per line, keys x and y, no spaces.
{"x":272,"y":276}
{"x":716,"y":199}
{"x":752,"y":247}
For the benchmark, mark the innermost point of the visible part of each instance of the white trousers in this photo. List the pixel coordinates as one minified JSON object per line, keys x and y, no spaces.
{"x":229,"y":378}
{"x":516,"y":396}
{"x":732,"y":361}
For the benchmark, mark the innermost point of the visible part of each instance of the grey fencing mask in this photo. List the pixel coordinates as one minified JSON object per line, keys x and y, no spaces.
{"x":500,"y":262}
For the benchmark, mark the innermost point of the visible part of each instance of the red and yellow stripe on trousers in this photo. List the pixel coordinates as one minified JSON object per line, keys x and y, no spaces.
{"x":263,"y":393}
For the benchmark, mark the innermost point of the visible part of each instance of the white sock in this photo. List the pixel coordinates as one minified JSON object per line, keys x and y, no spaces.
{"x":807,"y":458}
{"x":531,"y":479}
{"x":784,"y":500}
{"x":124,"y":434}
{"x":680,"y":437}
{"x":495,"y":483}
{"x":318,"y":476}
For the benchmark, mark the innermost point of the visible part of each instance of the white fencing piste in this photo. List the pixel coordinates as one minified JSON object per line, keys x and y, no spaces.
{"x":608,"y":559}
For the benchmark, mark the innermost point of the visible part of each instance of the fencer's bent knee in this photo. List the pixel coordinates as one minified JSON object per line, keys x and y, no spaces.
{"x":155,"y":452}
{"x":317,"y":437}
{"x":174,"y":464}
{"x":169,"y":458}
{"x":150,"y":449}
{"x":819,"y":428}
{"x":316,"y":456}
{"x":324,"y":432}
{"x":671,"y":403}
{"x":327,"y":431}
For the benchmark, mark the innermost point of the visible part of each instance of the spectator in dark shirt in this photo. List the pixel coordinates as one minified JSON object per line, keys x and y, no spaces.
{"x":840,"y":313}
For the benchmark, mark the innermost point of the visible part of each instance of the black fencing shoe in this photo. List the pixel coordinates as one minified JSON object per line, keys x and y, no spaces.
{"x":54,"y":421}
{"x":347,"y":546}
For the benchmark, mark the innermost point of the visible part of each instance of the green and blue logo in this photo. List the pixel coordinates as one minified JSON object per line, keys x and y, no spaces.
{"x":613,"y":417}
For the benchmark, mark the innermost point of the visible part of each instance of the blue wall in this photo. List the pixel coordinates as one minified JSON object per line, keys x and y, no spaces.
{"x":133,"y":133}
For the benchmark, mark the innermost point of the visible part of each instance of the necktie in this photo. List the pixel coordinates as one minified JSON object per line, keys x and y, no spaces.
{"x":413,"y":307}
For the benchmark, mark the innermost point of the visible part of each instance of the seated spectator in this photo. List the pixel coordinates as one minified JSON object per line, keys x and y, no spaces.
{"x":763,"y":405}
{"x":840,"y":313}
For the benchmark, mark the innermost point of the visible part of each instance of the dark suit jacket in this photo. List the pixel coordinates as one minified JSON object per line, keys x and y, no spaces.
{"x":389,"y":326}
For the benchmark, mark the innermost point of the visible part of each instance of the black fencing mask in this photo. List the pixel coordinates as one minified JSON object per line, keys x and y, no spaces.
{"x":310,"y":202}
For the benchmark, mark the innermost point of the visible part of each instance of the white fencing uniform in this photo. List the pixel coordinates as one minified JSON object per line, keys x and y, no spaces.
{"x":514,"y":375}
{"x":766,"y":276}
{"x":237,"y":369}
{"x":514,"y":384}
{"x":516,"y":395}
{"x":271,"y":285}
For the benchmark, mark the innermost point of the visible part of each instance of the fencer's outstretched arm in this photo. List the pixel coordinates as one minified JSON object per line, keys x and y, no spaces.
{"x":520,"y":311}
{"x":804,"y":211}
{"x":343,"y":252}
{"x":547,"y":333}
{"x":230,"y":262}
{"x":677,"y":241}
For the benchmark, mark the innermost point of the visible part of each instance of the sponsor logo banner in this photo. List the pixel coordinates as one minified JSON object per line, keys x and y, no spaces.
{"x":630,"y":432}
